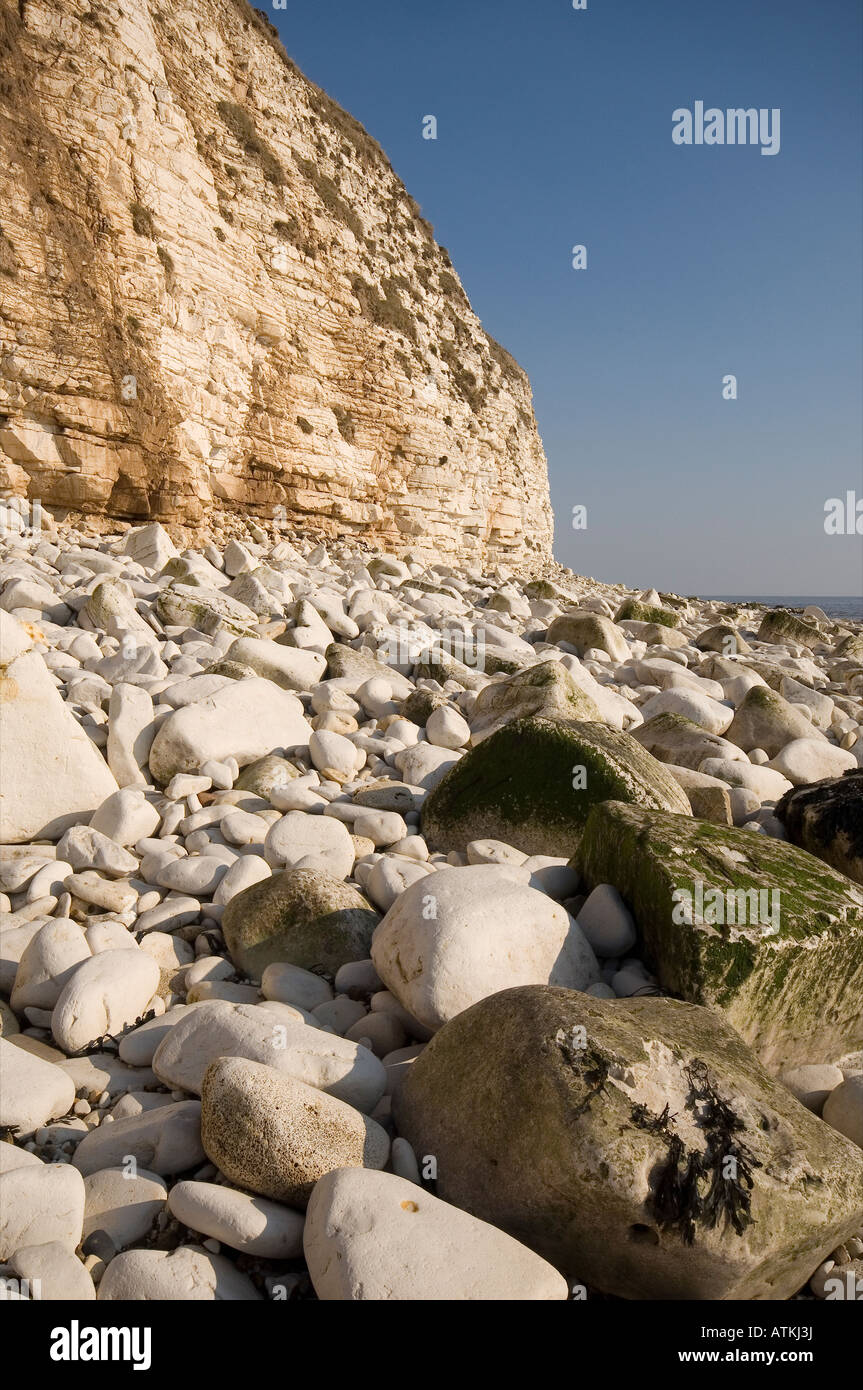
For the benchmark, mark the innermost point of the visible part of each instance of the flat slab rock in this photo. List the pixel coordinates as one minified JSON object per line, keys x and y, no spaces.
{"x":787,"y":973}
{"x":598,"y":1133}
{"x":373,"y":1236}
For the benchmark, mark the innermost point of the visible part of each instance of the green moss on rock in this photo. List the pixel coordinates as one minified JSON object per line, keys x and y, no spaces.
{"x":780,"y":626}
{"x":787,"y":974}
{"x":638,"y":612}
{"x":345,"y":661}
{"x":439,"y":666}
{"x":765,"y":719}
{"x":421,"y":704}
{"x":723,"y":639}
{"x":585,"y":631}
{"x":598,"y":1132}
{"x":546,"y":690}
{"x":850,"y":647}
{"x":498,"y":661}
{"x":180,"y":569}
{"x":540,"y":589}
{"x":672,"y":738}
{"x":533,"y":783}
{"x":205,"y":610}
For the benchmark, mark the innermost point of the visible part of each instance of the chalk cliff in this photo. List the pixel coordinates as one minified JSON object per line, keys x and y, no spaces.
{"x":216,"y":295}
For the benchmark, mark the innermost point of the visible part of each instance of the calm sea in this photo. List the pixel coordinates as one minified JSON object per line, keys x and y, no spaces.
{"x":841,"y":607}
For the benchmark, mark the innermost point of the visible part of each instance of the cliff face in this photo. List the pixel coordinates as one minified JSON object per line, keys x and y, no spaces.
{"x":215,"y":294}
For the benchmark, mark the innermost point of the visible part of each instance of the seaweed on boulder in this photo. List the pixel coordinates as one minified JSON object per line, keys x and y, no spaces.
{"x":680,"y":1198}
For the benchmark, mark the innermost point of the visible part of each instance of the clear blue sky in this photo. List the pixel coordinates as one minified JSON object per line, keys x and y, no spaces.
{"x":555,"y":129}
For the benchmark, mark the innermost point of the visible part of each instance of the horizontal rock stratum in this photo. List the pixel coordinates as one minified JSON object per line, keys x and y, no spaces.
{"x":216,"y":294}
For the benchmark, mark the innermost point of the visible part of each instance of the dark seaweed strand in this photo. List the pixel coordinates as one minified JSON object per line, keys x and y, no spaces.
{"x":98,"y":1044}
{"x":678,"y":1199}
{"x":726,"y":1196}
{"x":593,"y":1066}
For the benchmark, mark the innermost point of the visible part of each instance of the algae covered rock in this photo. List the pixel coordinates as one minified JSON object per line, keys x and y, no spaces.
{"x":826,"y":818}
{"x":532,"y":785}
{"x":421,"y":705}
{"x":547,"y":690}
{"x":850,"y":647}
{"x":361,"y":664}
{"x":654,"y":634}
{"x":749,"y":925}
{"x":304,"y":917}
{"x":765,"y":719}
{"x":584,"y":631}
{"x":634,"y":610}
{"x":438,"y":665}
{"x":636,"y":1144}
{"x":111,"y":608}
{"x":780,"y":626}
{"x":541,"y":589}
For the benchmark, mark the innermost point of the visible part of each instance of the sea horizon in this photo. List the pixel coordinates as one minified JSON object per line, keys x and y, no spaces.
{"x":848,"y":606}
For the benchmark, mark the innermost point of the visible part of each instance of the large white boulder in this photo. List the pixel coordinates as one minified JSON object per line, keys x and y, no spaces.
{"x":188,"y":1274}
{"x":130,"y":733}
{"x":164,"y":1141}
{"x":60,"y":777}
{"x":105,"y":995}
{"x":805,"y":760}
{"x":246,"y":720}
{"x":48,"y":961}
{"x":55,"y":1271}
{"x":289,"y":667}
{"x":460,"y":934}
{"x":253,"y":1225}
{"x":843,"y":1108}
{"x":299,"y":837}
{"x":124,"y":1204}
{"x":704,"y":711}
{"x":14,"y":638}
{"x":150,"y":546}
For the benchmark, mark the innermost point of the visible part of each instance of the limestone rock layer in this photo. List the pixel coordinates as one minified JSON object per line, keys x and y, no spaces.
{"x":216,"y":295}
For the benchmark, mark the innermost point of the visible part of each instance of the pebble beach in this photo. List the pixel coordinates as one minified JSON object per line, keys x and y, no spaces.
{"x":375,"y":929}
